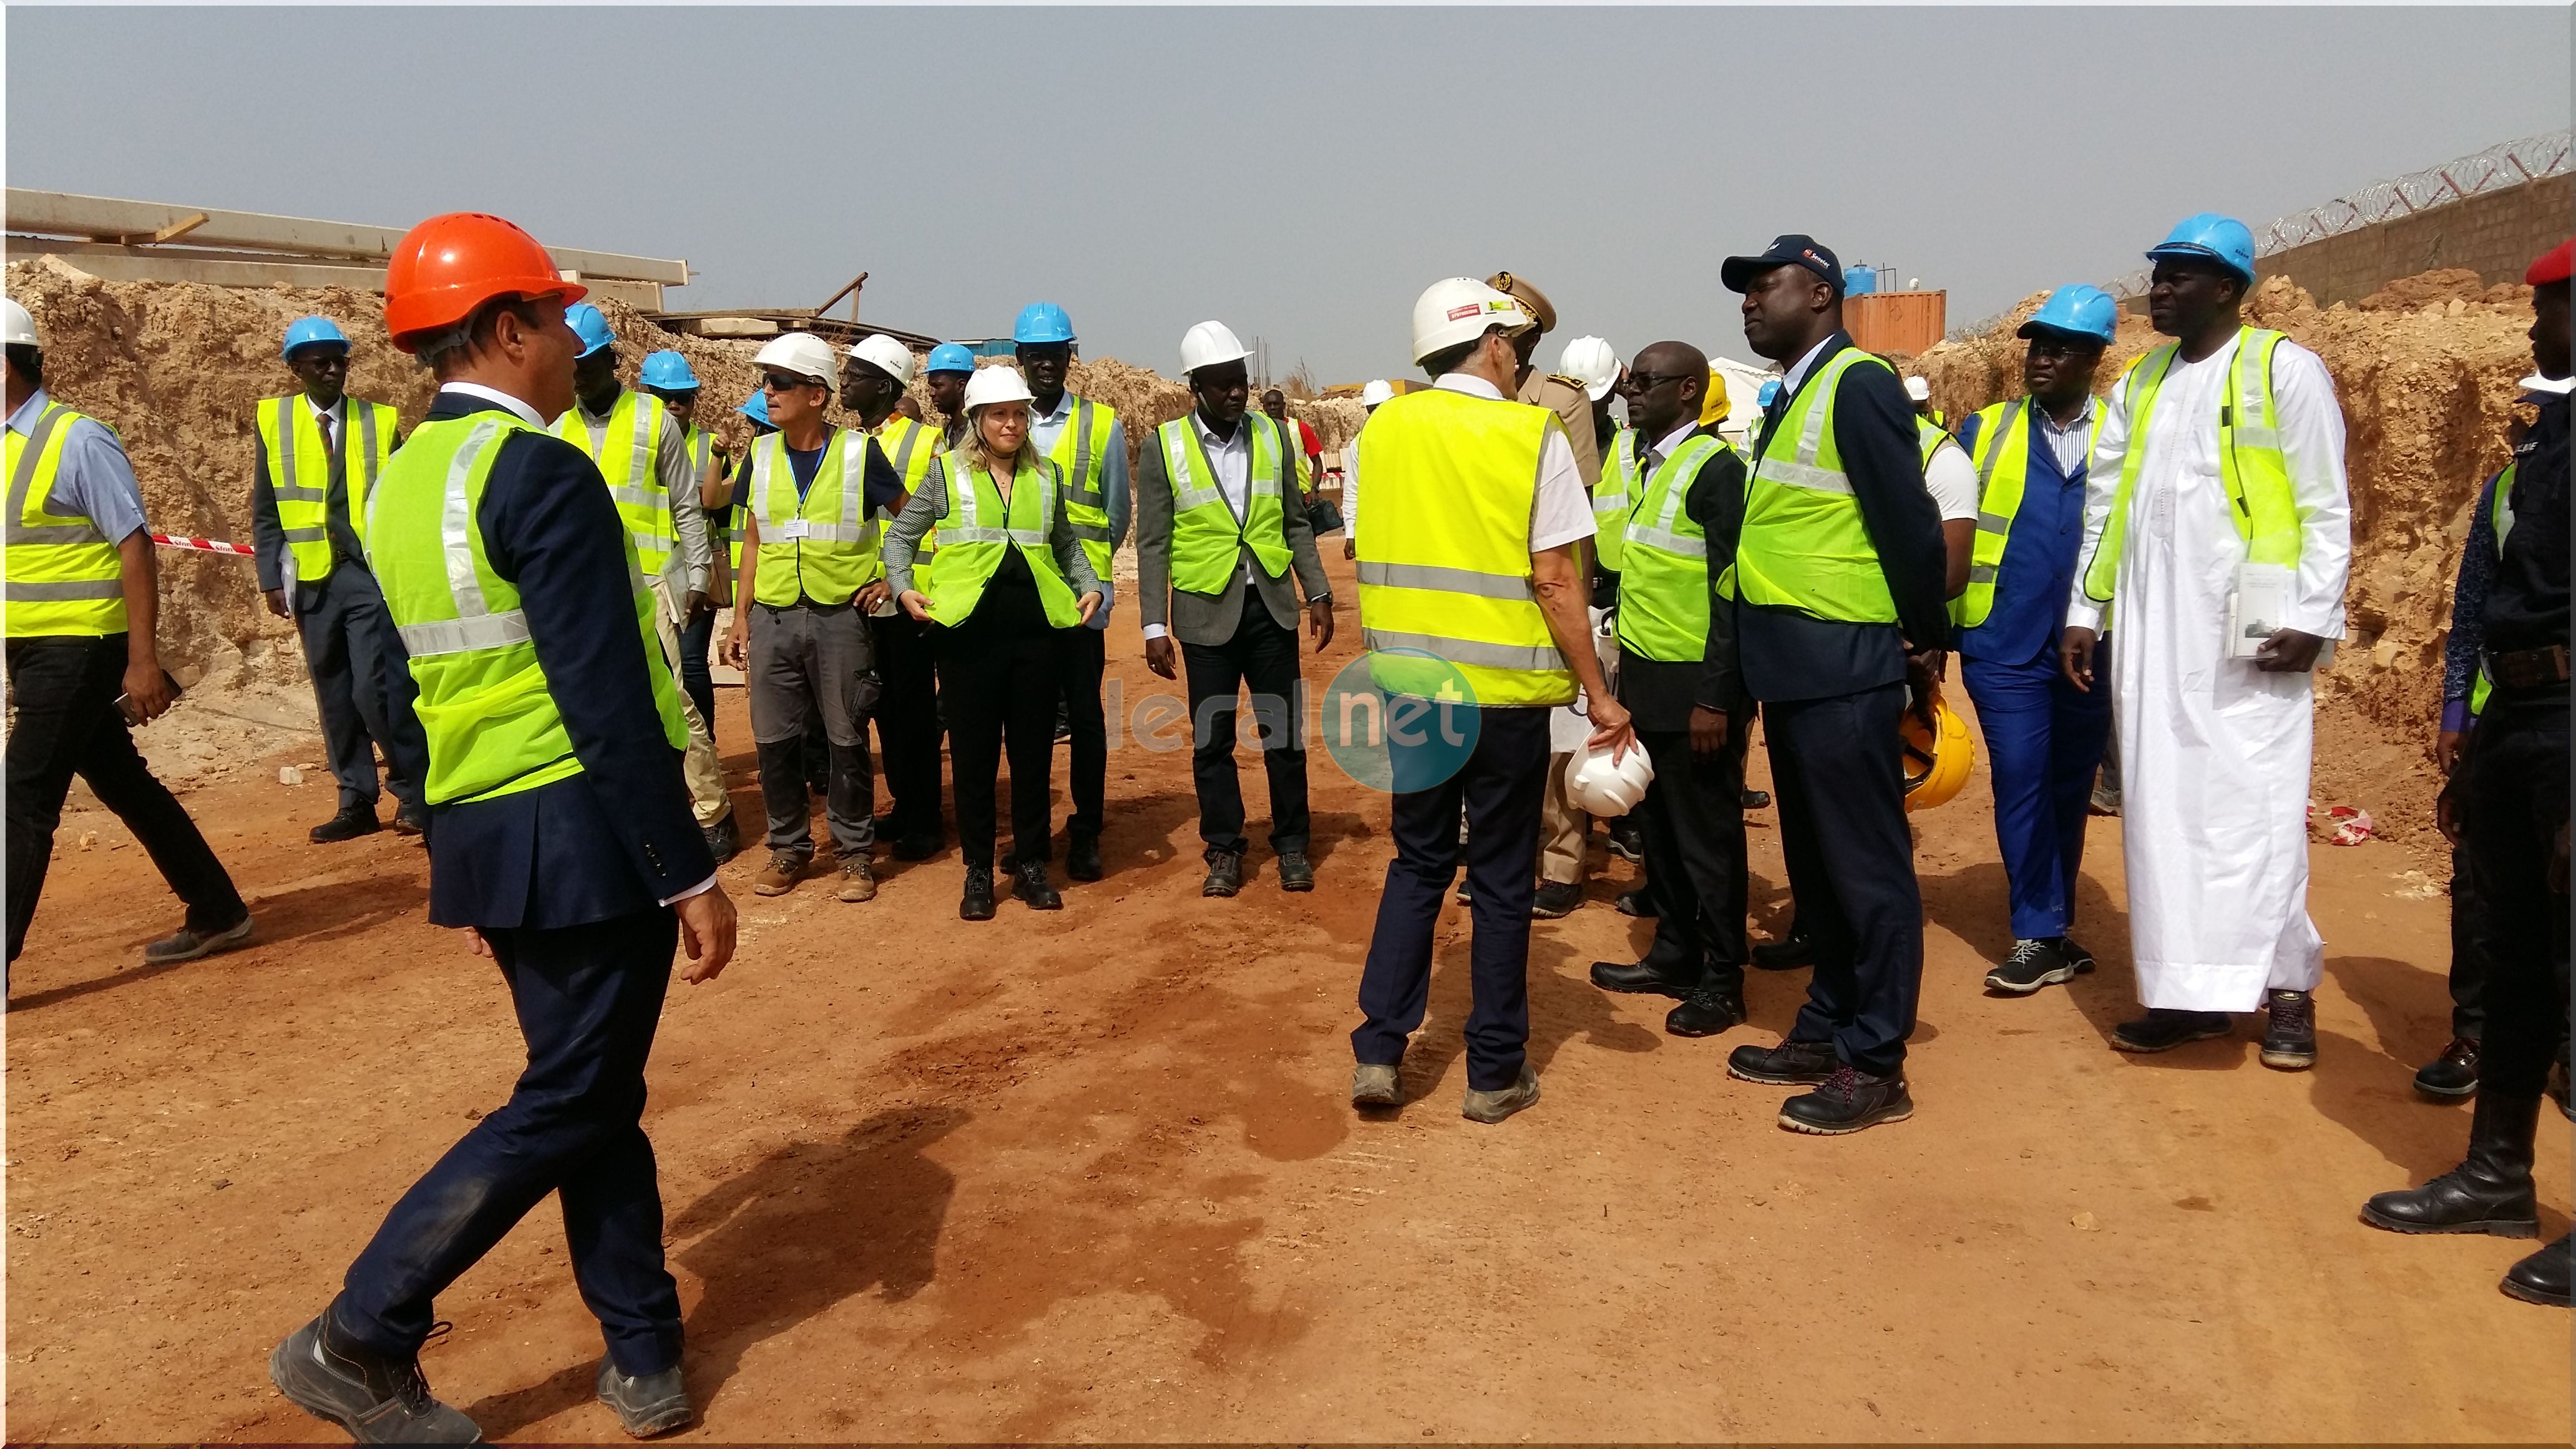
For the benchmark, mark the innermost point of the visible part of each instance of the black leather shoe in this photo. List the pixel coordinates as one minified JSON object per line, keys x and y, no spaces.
{"x":1707,"y":1011}
{"x":411,"y":820}
{"x":1555,"y":898}
{"x":1225,"y":873}
{"x":1786,"y":954}
{"x":2453,"y":1074}
{"x":1296,"y":872}
{"x":1082,"y":856}
{"x":1644,"y":979}
{"x":2163,"y":1028}
{"x":1790,"y":1064}
{"x":2290,"y":1031}
{"x":1847,"y":1101}
{"x":977,"y":903}
{"x":1639,"y":903}
{"x":2540,"y":1278}
{"x":920,"y":846}
{"x":2032,"y":965}
{"x":1029,"y":883}
{"x":646,"y":1406}
{"x":352,"y":822}
{"x":2489,"y":1192}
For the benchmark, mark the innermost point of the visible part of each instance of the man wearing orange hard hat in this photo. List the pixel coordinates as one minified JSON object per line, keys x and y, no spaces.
{"x":561,"y":838}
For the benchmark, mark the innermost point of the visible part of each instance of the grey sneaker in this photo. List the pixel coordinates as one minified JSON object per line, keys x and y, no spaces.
{"x":377,"y":1400}
{"x":1491,"y":1107}
{"x":1375,"y":1086}
{"x":189,"y":943}
{"x":653,"y":1404}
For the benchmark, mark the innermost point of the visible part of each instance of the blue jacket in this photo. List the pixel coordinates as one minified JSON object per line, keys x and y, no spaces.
{"x":617,"y":838}
{"x":2038,"y":569}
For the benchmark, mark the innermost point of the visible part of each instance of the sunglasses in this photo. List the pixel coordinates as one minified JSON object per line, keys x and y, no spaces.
{"x":782,"y":382}
{"x":1641,"y":383}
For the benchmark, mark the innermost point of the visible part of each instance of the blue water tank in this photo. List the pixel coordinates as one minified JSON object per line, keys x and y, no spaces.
{"x":1859,"y":280}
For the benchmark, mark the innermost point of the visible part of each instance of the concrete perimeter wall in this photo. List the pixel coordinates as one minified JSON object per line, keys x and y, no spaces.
{"x":2495,"y":234}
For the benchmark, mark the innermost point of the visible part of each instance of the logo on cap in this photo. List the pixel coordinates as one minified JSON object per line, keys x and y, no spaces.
{"x":1461,"y":314}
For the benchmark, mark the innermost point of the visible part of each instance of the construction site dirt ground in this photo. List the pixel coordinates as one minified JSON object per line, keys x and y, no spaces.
{"x":1092,"y":1175}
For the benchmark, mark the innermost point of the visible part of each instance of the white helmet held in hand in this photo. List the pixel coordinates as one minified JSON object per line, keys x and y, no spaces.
{"x":1460,"y":309}
{"x":1208,"y":344}
{"x":801,"y":353}
{"x":1598,"y":787}
{"x":1591,"y":362}
{"x":885,"y":354}
{"x":17,"y":329}
{"x":996,"y":385}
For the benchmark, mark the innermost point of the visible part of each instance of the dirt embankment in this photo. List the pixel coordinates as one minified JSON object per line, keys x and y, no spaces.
{"x":2425,"y":370}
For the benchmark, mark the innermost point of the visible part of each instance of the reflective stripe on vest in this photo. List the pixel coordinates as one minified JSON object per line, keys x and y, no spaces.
{"x":299,"y":472}
{"x":1929,"y":436}
{"x":1804,"y":544}
{"x":1081,"y":455}
{"x":911,"y":447}
{"x":2002,"y":457}
{"x":978,"y":524}
{"x":1207,"y":540}
{"x":627,"y":448}
{"x":2262,"y":504}
{"x":1612,"y":496}
{"x":485,"y":706}
{"x":2499,"y":517}
{"x":1444,"y":565}
{"x":1663,"y":591}
{"x":62,"y":575}
{"x":839,"y":553}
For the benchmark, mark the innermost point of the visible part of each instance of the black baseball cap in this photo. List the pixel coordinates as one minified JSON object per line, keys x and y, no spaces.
{"x":1794,"y":250}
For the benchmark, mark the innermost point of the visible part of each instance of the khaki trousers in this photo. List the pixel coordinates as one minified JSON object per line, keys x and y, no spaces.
{"x":1563,"y":831}
{"x":707,"y":798}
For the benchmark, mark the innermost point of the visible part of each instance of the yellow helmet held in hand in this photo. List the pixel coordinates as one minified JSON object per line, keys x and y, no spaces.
{"x":1937,"y":760}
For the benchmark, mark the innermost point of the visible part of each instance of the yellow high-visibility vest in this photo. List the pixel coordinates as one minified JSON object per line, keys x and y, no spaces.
{"x":817,"y":546}
{"x":627,"y":450}
{"x":1081,"y":455}
{"x":2002,"y":459}
{"x":63,"y":576}
{"x":1206,"y":539}
{"x":1663,"y":591}
{"x":1612,"y":496}
{"x":299,"y":472}
{"x":1805,"y":545}
{"x":977,"y":525}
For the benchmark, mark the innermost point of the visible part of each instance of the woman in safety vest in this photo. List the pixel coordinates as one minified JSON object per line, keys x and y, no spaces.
{"x":1007,"y":586}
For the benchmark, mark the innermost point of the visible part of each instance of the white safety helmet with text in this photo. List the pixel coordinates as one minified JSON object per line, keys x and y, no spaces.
{"x":1460,"y":309}
{"x":884,"y":353}
{"x":801,"y":353}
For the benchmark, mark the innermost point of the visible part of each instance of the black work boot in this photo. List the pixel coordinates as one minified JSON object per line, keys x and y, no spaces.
{"x":1296,"y":872}
{"x":2489,"y":1192}
{"x":1715,"y":1005}
{"x":1639,"y":903}
{"x":2163,"y":1028}
{"x":2540,"y":1278}
{"x":1082,"y":856}
{"x":1029,"y":883}
{"x":1645,"y":978}
{"x":1848,"y":1101}
{"x":647,"y":1405}
{"x":352,"y":822}
{"x":1225,"y":873}
{"x":2453,"y":1074}
{"x":378,"y":1400}
{"x":1788,"y":953}
{"x":2290,"y":1031}
{"x":1790,"y":1064}
{"x":976,"y":904}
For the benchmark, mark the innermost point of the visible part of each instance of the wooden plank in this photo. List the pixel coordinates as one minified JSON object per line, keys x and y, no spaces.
{"x":135,"y":264}
{"x":65,"y":214}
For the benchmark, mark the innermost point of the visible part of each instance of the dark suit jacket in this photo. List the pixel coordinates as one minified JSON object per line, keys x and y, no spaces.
{"x":1212,"y":618}
{"x":618,"y":837}
{"x":1789,"y":654}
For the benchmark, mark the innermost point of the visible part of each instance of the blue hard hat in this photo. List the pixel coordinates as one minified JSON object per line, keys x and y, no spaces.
{"x":950,"y":357}
{"x":1770,"y":389}
{"x":757,"y":409}
{"x":1042,"y":322}
{"x":2210,"y":237}
{"x":2078,"y":311}
{"x":669,"y":371}
{"x":307,"y":331}
{"x":590,"y":326}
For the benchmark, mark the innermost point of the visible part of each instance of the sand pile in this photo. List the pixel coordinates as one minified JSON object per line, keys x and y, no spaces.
{"x":2425,"y":369}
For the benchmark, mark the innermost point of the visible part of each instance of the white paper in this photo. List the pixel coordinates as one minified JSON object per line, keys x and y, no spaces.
{"x":2257,"y":607}
{"x":792,"y":528}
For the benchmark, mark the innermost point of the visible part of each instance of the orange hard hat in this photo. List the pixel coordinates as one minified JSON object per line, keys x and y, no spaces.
{"x":449,"y":265}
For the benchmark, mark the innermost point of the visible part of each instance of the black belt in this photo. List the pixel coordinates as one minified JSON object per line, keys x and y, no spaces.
{"x":2529,"y":668}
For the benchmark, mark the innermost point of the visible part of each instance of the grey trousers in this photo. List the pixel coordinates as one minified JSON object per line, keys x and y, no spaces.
{"x":343,"y":623}
{"x":810,"y":659}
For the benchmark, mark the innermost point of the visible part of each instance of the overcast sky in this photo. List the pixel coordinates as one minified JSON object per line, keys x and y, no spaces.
{"x":1300,"y":174}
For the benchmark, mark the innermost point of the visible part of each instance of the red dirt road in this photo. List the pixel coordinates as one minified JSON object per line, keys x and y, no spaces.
{"x":1091,"y":1176}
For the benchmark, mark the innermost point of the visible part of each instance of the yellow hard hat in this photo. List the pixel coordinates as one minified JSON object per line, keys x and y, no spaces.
{"x":1714,"y":407}
{"x":1937,"y":760}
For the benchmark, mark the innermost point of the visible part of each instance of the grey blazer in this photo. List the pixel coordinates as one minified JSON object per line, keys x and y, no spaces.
{"x":1213,"y":618}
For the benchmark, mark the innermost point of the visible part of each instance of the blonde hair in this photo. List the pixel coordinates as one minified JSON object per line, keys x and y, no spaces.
{"x":980,"y":456}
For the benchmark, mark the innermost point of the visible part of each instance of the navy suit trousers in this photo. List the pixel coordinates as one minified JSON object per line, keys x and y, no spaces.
{"x":588,"y":998}
{"x":1841,"y":786}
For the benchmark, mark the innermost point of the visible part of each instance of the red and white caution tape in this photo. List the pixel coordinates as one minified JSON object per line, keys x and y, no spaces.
{"x":202,"y":545}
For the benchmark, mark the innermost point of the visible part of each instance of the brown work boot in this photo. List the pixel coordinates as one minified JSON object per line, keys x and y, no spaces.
{"x":779,"y":877}
{"x":858,"y":881}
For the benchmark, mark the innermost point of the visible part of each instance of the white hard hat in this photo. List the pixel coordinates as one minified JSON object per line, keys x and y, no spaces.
{"x":996,"y":385}
{"x":801,"y":353}
{"x":878,"y":350}
{"x":1459,"y":310}
{"x":1591,"y":362}
{"x":1208,"y":344}
{"x":17,"y":329}
{"x":1378,"y":391}
{"x":1597,"y":787}
{"x":1917,"y":389}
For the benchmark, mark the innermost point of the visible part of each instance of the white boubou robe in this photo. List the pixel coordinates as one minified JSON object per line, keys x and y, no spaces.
{"x":2214,"y":753}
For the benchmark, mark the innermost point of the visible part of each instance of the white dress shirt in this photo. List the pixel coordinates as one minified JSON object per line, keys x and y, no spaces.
{"x":1561,"y":511}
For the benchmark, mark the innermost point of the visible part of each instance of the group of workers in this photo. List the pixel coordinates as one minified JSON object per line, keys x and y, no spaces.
{"x":515,"y":606}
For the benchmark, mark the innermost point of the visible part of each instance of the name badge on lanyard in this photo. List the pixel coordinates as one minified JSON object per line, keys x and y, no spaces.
{"x":794,"y":528}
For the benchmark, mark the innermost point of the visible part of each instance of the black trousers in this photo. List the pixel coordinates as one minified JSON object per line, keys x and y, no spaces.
{"x":1263,"y":656}
{"x":68,"y":724}
{"x":588,"y":998}
{"x":908,"y":729}
{"x":1499,"y":788}
{"x":344,"y":625}
{"x":1693,"y":816}
{"x":2469,"y":926}
{"x":998,"y":686}
{"x":2513,"y":805}
{"x":1841,"y":788}
{"x":1081,"y":660}
{"x":695,"y":638}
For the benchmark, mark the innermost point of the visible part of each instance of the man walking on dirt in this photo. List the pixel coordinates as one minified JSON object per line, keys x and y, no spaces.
{"x":873,"y":376}
{"x":562,"y":841}
{"x":2216,"y":490}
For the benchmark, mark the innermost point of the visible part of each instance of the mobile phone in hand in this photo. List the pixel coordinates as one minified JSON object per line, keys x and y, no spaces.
{"x":133,"y":716}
